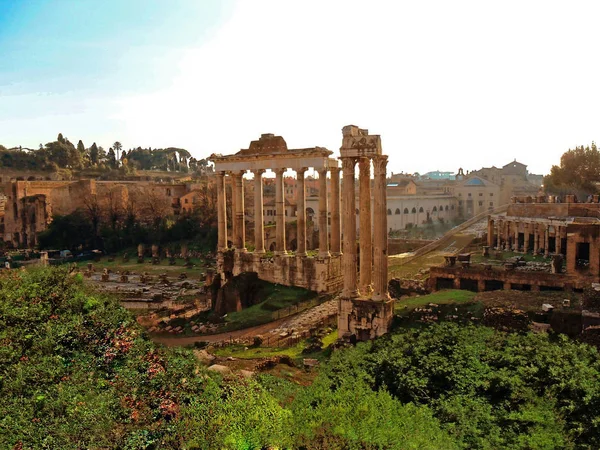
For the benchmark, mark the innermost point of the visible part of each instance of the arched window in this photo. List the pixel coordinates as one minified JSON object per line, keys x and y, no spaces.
{"x":441,"y":207}
{"x":310,"y":211}
{"x":452,"y":208}
{"x":421,"y":209}
{"x":414,"y":210}
{"x":446,"y":207}
{"x":405,"y":210}
{"x":397,"y":211}
{"x":389,"y":212}
{"x":434,"y":209}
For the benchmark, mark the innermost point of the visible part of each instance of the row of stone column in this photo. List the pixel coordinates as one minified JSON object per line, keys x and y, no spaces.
{"x":373,"y":271}
{"x":238,"y":225}
{"x":505,"y":234}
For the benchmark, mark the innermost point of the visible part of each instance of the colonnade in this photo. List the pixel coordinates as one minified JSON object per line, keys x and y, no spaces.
{"x":327,"y":246}
{"x":373,"y":271}
{"x":504,"y":234}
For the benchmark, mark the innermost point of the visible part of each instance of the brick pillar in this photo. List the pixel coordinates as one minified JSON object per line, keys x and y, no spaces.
{"x":279,"y":213}
{"x":558,"y":241}
{"x":546,"y":238}
{"x":259,"y":220}
{"x":323,"y":215}
{"x":365,"y":236}
{"x":335,"y":244}
{"x":526,"y":238}
{"x":240,"y":237}
{"x":301,"y":213}
{"x":380,"y":272}
{"x":349,"y":229}
{"x":221,"y":212}
{"x":536,"y":239}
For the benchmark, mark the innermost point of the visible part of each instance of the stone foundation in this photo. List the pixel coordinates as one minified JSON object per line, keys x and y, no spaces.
{"x":323,"y":275}
{"x":364,"y":318}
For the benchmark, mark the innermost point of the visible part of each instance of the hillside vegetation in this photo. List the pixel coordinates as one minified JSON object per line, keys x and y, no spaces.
{"x":76,"y":371}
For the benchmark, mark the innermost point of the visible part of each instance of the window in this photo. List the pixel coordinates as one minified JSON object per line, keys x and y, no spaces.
{"x":491,"y":203}
{"x":405,"y":210}
{"x":434,"y":209}
{"x":452,"y":207}
{"x":459,"y":203}
{"x":397,"y":211}
{"x":389,"y":212}
{"x":186,"y":200}
{"x":414,"y":210}
{"x":469,"y":194}
{"x":481,"y":194}
{"x":460,"y":194}
{"x":491,"y":194}
{"x":447,"y":208}
{"x":480,"y":203}
{"x":421,"y":209}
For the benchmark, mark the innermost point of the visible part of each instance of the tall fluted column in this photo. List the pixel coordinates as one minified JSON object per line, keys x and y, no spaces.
{"x":536,"y":239}
{"x":240,"y":238}
{"x":259,"y":220}
{"x":279,"y":213}
{"x":301,"y":213}
{"x":349,"y":229}
{"x":323,"y":215}
{"x":234,"y":222}
{"x":365,"y":237}
{"x":221,"y":212}
{"x":546,"y":239}
{"x":335,"y":244}
{"x":558,"y":241}
{"x":380,"y":285}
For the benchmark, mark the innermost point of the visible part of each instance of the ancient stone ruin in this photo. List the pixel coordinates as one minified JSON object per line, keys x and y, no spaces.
{"x":365,"y":308}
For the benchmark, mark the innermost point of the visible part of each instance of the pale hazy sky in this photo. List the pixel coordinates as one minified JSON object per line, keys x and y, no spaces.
{"x":446,"y":84}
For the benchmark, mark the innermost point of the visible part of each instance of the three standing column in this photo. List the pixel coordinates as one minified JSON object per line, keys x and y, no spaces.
{"x":279,"y":213}
{"x":323,"y":215}
{"x":349,"y":229}
{"x":301,"y":213}
{"x":259,"y":220}
{"x":365,"y":237}
{"x":380,"y":285}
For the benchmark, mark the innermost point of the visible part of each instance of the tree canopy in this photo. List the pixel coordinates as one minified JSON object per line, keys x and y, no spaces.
{"x":579,"y":171}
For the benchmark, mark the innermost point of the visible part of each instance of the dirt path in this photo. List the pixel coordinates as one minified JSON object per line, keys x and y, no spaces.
{"x":171,"y":341}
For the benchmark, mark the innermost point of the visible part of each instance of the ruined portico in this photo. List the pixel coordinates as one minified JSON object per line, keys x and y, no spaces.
{"x":365,"y":307}
{"x":321,"y":273}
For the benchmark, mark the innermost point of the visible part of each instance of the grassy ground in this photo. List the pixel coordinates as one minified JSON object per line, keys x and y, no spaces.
{"x":279,"y":301}
{"x":445,"y":297}
{"x":133,"y":266}
{"x":294,"y":352}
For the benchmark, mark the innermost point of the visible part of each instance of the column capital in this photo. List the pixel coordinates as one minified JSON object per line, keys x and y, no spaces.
{"x":364,"y":166}
{"x":335,"y":169}
{"x":258,"y":171}
{"x":279,"y":171}
{"x":348,"y":162}
{"x":300,"y":172}
{"x":380,"y":163}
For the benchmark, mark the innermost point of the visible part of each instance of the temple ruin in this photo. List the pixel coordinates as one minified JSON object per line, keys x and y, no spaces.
{"x":560,"y":231}
{"x":365,"y":308}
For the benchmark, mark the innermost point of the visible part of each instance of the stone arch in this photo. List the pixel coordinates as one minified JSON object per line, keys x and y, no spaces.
{"x":405,"y":210}
{"x":446,"y":207}
{"x":441,"y":208}
{"x":397,"y":211}
{"x":421,"y":209}
{"x":414,"y":210}
{"x":434,"y":209}
{"x":272,"y":247}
